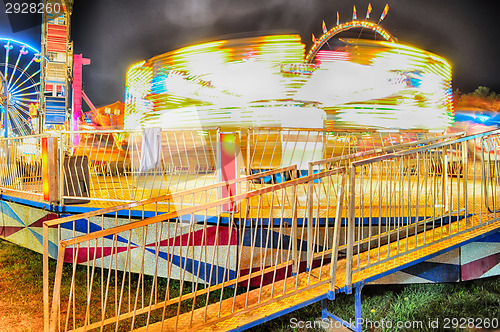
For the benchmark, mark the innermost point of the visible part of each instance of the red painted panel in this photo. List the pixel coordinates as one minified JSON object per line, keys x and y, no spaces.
{"x":56,"y":46}
{"x":477,"y":268}
{"x":202,"y":238}
{"x":228,"y":167}
{"x":55,"y":30}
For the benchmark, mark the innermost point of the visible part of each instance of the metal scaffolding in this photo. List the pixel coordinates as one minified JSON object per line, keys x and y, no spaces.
{"x":57,"y":62}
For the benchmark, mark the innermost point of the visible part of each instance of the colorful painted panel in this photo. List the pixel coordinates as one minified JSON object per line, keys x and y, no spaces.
{"x":22,"y":225}
{"x":442,"y":268}
{"x":481,"y":259}
{"x":180,"y":247}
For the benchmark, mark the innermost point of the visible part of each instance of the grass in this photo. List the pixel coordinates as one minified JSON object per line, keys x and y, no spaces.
{"x":21,"y":287}
{"x":21,"y":307}
{"x":21,"y":298}
{"x":426,"y":303}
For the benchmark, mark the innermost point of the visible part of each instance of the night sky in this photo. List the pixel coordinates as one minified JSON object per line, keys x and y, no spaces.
{"x":117,"y":33}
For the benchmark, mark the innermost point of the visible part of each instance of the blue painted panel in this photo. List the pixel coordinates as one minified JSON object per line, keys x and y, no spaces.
{"x":55,"y":110}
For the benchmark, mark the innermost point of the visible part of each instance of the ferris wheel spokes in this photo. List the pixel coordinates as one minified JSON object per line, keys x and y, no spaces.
{"x":21,"y":53}
{"x":22,"y":76}
{"x":36,"y":59}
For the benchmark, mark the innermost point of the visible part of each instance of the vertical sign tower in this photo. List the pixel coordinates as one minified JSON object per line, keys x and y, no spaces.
{"x":57,"y":62}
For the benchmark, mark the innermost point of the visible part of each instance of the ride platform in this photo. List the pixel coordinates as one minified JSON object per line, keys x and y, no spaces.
{"x":285,"y":296}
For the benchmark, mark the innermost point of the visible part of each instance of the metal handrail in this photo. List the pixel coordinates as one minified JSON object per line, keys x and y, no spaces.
{"x":423,"y":148}
{"x":252,"y":275}
{"x":23,"y":137}
{"x":194,"y":209}
{"x":111,"y":131}
{"x":444,"y":199}
{"x":349,"y":130}
{"x":438,"y":198}
{"x":384,"y":149}
{"x":135,"y":204}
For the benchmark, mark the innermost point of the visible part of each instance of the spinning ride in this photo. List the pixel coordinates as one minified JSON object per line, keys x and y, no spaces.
{"x":355,"y":75}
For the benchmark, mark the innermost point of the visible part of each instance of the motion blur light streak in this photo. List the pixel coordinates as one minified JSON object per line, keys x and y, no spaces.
{"x":268,"y":81}
{"x":139,"y":78}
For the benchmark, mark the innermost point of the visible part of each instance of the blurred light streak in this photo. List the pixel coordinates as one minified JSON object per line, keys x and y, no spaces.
{"x":269,"y":81}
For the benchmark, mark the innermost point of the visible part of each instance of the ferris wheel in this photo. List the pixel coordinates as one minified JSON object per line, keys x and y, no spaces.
{"x":20,"y":66}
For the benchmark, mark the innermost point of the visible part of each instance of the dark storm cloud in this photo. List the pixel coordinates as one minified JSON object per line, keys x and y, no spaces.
{"x":115,"y":34}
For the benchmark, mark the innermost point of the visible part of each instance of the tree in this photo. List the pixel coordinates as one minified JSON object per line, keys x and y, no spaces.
{"x":481,"y":91}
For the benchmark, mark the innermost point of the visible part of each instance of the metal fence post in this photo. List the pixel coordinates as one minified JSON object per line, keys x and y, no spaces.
{"x":295,"y":266}
{"x":465,"y":168}
{"x":350,"y":229}
{"x":45,"y":278}
{"x":54,"y":315}
{"x":310,"y":198}
{"x":336,"y":230}
{"x":248,"y":152}
{"x":61,"y":177}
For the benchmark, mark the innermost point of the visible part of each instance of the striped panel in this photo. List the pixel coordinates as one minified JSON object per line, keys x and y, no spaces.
{"x":57,"y":38}
{"x":481,"y":259}
{"x":22,"y":225}
{"x":181,"y":247}
{"x":442,"y":268}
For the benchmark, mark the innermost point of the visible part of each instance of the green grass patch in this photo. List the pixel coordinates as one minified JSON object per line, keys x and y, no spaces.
{"x":21,"y":271}
{"x":426,"y":303}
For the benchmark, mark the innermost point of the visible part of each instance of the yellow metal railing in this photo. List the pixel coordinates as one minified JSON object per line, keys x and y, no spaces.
{"x":196,"y":264}
{"x":21,"y":164}
{"x":403,"y":202}
{"x":200,"y":249}
{"x":105,"y":166}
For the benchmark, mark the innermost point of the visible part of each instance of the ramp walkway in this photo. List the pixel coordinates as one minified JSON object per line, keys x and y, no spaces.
{"x":235,"y":262}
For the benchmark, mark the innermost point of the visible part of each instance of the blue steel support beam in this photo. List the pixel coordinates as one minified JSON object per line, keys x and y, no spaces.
{"x":325,"y":314}
{"x":357,"y":308}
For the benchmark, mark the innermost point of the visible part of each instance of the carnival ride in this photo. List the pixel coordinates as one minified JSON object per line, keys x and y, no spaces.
{"x":269,"y":81}
{"x":249,"y":217}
